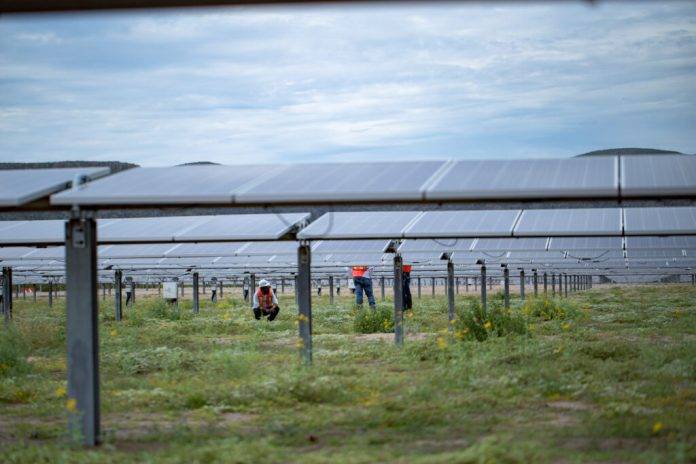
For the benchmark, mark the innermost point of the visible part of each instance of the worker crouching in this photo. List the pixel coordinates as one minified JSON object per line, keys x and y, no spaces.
{"x":265,"y":302}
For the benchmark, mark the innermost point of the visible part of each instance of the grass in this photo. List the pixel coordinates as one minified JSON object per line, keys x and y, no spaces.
{"x":607,"y":376}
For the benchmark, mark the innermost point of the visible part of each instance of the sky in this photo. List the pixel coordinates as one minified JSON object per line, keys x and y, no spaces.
{"x":348,"y":83}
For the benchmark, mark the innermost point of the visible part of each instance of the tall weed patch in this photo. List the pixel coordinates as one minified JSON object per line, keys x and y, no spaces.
{"x":473,"y":323}
{"x":378,"y":320}
{"x":13,"y":352}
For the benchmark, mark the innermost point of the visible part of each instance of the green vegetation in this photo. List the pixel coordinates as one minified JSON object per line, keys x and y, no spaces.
{"x":607,"y":376}
{"x":379,"y":319}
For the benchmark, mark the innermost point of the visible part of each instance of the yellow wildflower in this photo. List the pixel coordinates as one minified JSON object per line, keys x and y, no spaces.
{"x":71,"y":405}
{"x":441,"y":343}
{"x":113,"y":332}
{"x":299,"y":343}
{"x":657,"y":426}
{"x":60,"y":391}
{"x":488,"y":325}
{"x":565,"y":326}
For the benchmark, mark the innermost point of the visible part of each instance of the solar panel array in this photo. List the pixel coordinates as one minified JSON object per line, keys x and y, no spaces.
{"x":541,"y":179}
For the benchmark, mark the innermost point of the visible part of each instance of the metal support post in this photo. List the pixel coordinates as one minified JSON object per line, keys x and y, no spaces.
{"x":565,"y":278}
{"x":282,"y":285}
{"x":7,"y":293}
{"x":132,"y":287}
{"x":331,"y":289}
{"x":35,"y":289}
{"x":433,"y":286}
{"x":252,"y":287}
{"x":484,"y":298}
{"x":222,"y":286}
{"x":381,"y":287}
{"x":118,"y":295}
{"x":456,"y":285}
{"x":535,"y":282}
{"x":466,"y":284}
{"x":196,"y":303}
{"x":419,"y":288}
{"x":82,"y":329}
{"x":398,"y":300}
{"x":506,"y":286}
{"x":50,"y":293}
{"x":304,"y":301}
{"x":450,"y":293}
{"x":522,"y":284}
{"x":546,"y":284}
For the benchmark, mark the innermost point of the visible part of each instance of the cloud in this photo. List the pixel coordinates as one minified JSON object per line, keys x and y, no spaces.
{"x":362,"y":82}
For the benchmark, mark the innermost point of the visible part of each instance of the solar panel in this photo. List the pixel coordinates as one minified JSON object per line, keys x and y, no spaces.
{"x":510,"y":244}
{"x":9,"y":253}
{"x":655,"y":254}
{"x":658,"y":175}
{"x":370,"y":224}
{"x":324,"y":182}
{"x":268,"y":248}
{"x":680,"y":242}
{"x":154,"y":250}
{"x":168,"y":185}
{"x":211,"y":249}
{"x":585,"y":243}
{"x":21,"y":186}
{"x":243,"y":227}
{"x":573,"y":222}
{"x":435,"y":246}
{"x":52,"y":253}
{"x":463,"y":224}
{"x":350,"y":246}
{"x":159,"y":229}
{"x":533,"y":178}
{"x":660,"y":221}
{"x":355,"y":259}
{"x":29,"y":232}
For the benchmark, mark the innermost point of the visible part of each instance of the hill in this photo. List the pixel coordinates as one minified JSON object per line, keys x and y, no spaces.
{"x":630,"y":151}
{"x":115,"y":166}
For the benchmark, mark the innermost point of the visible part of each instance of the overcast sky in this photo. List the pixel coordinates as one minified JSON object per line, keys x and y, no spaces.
{"x":348,"y":83}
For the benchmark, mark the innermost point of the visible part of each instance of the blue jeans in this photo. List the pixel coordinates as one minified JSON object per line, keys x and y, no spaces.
{"x":363,"y":284}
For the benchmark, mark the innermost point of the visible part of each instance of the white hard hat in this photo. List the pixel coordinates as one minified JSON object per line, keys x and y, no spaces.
{"x":264,"y":283}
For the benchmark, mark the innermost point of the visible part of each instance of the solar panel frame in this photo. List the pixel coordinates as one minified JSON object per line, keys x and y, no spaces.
{"x":584,"y":243}
{"x":569,"y":222}
{"x":468,"y":223}
{"x":201,"y":184}
{"x":663,"y":220}
{"x":330,"y":182}
{"x":351,"y":225}
{"x":663,"y":175}
{"x":21,"y":186}
{"x":680,"y":242}
{"x":527,"y":179}
{"x":510,"y":244}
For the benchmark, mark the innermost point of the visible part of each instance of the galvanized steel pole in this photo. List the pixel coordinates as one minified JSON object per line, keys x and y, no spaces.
{"x":118,"y":283}
{"x":450,"y":293}
{"x":304,"y":301}
{"x":196,"y":306}
{"x":398,"y":301}
{"x":82,"y":329}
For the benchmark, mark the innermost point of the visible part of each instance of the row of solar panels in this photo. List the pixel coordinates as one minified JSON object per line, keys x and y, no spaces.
{"x":587,"y":177}
{"x":579,"y":247}
{"x":369,"y":225}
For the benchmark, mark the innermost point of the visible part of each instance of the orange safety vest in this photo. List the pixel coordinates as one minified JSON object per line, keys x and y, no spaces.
{"x":265,"y":301}
{"x":407,"y":268}
{"x":359,"y":271}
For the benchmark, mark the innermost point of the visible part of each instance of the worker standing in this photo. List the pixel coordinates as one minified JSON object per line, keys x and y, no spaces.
{"x":319,"y":287}
{"x":363,"y":283}
{"x":408,"y":300}
{"x":265,"y":302}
